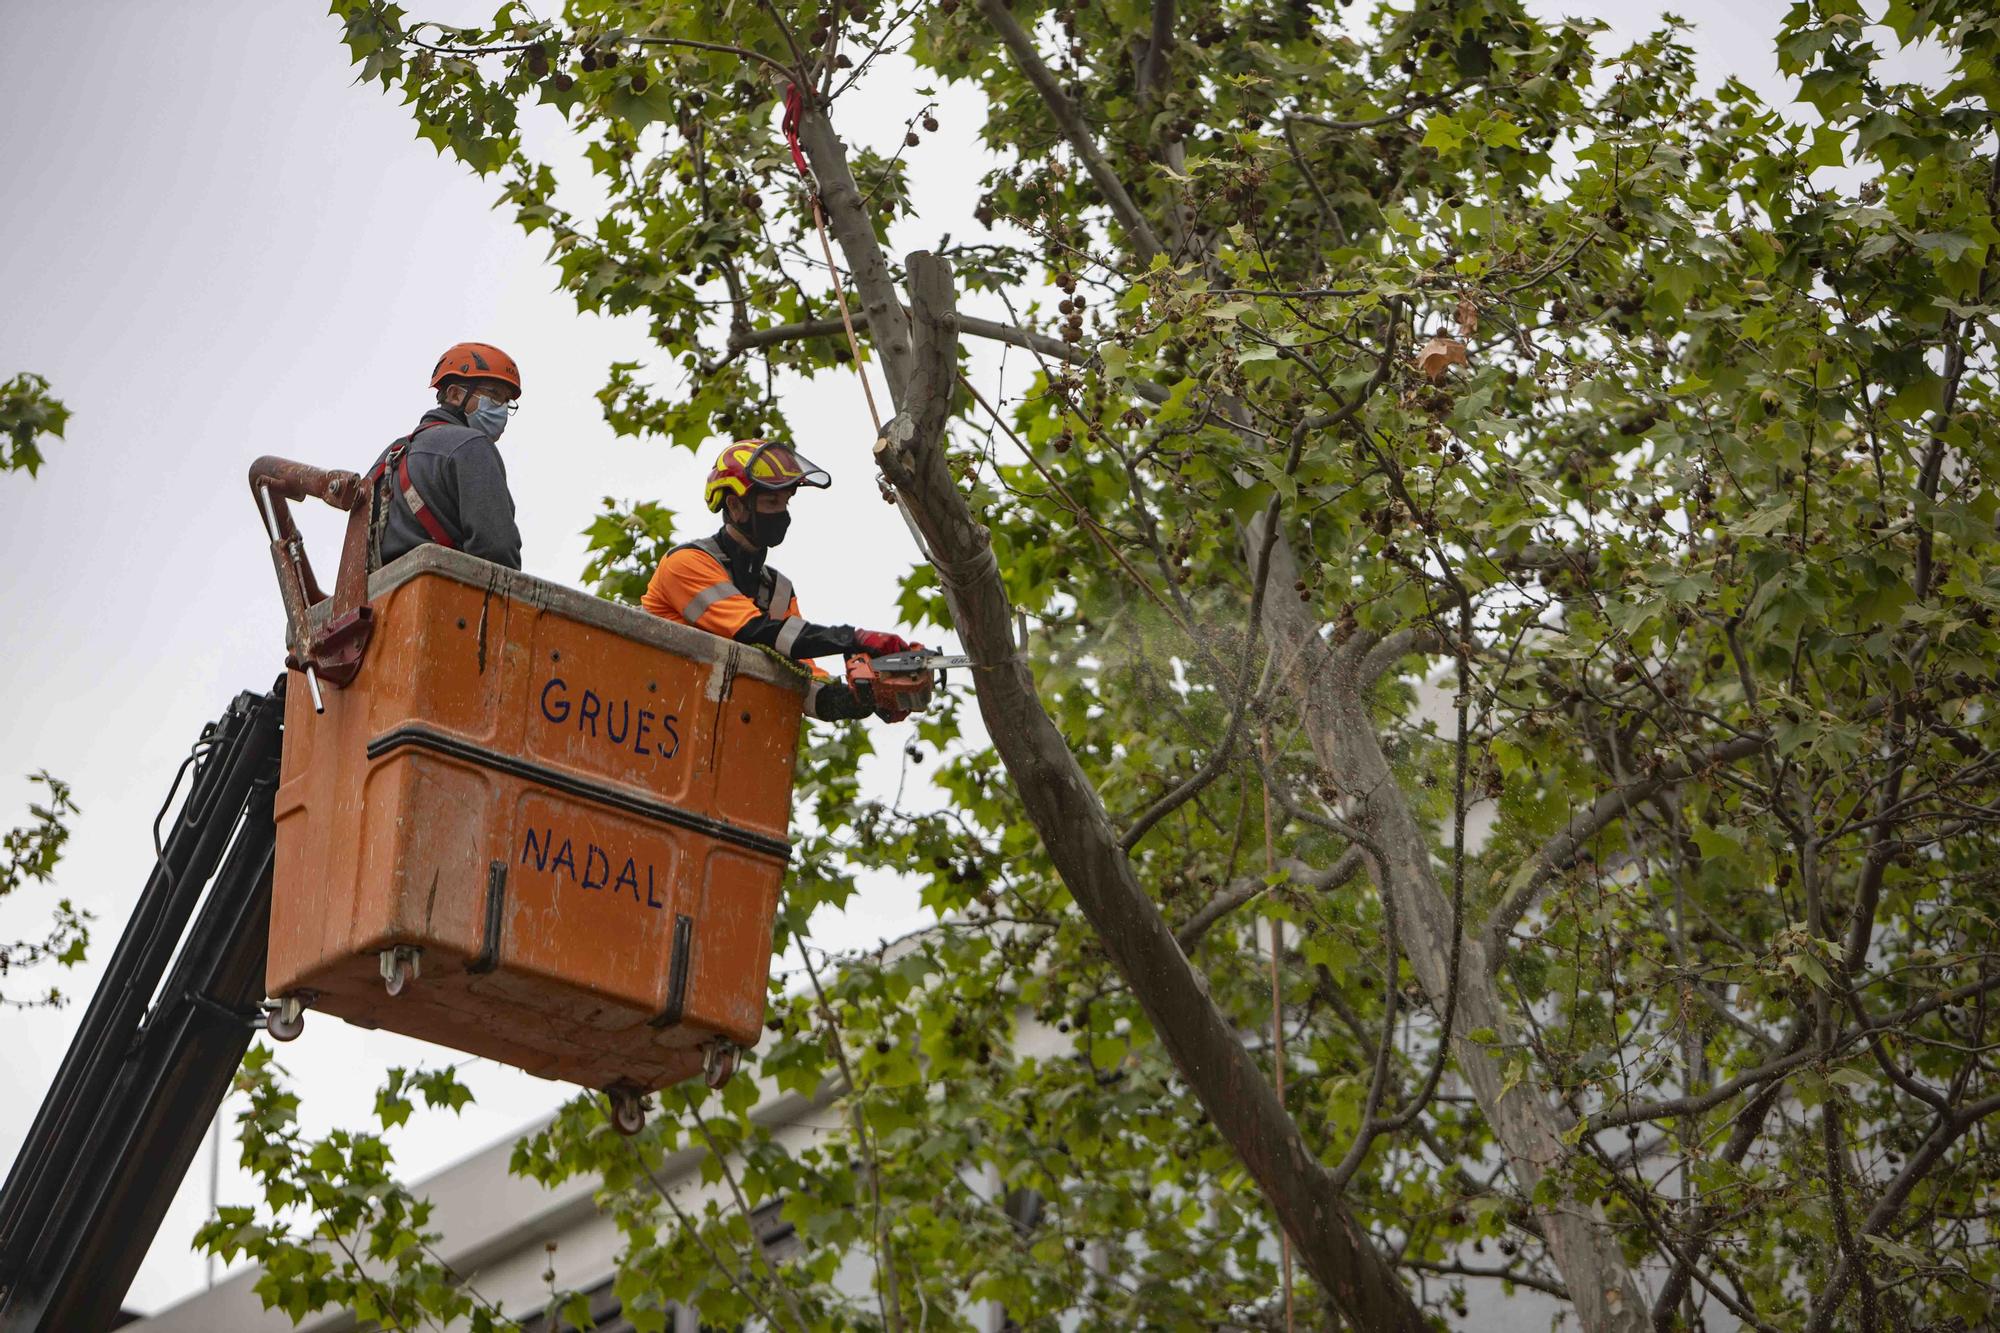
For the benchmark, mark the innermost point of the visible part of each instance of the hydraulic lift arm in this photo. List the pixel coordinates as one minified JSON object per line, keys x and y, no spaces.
{"x":158,"y":1046}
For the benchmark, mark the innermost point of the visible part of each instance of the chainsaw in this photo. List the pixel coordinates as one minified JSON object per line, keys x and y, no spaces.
{"x":902,"y":681}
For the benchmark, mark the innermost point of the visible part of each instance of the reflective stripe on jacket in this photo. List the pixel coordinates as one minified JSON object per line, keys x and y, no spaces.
{"x":697,"y":584}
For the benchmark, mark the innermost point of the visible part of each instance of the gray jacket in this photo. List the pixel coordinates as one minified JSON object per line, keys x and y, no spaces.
{"x":459,"y":475}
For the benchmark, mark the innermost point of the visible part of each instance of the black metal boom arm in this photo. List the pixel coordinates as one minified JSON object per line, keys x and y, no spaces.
{"x":160,"y":1041}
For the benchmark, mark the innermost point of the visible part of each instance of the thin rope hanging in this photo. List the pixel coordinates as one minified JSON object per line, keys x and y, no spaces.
{"x":794,"y":113}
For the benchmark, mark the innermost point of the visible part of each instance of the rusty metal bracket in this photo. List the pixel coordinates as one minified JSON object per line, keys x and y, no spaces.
{"x":333,"y":652}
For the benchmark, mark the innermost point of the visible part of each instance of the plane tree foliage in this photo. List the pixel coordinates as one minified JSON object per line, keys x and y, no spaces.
{"x":29,"y":854}
{"x":1464,"y":496}
{"x":29,"y":416}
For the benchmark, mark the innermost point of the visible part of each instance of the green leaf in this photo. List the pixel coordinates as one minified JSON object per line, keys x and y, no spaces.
{"x":1443,"y":133}
{"x":1829,"y":148}
{"x":1952,"y":245}
{"x":1499,"y":132}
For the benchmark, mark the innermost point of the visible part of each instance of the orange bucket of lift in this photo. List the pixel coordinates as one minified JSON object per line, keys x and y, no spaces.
{"x":529,"y":824}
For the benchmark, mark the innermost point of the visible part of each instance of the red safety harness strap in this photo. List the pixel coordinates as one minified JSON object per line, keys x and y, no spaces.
{"x":399,"y":454}
{"x":795,"y":106}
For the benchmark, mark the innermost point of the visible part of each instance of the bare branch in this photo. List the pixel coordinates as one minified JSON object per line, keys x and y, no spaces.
{"x":1404,"y":112}
{"x":1250,"y":888}
{"x":1950,"y":1127}
{"x":1040,"y":343}
{"x":1070,"y":119}
{"x":748,"y":340}
{"x":1797,"y":1053}
{"x":1558,"y":852}
{"x":1514,"y":1276}
{"x":1397,"y":646}
{"x":1326,"y":208}
{"x":1153,"y":67}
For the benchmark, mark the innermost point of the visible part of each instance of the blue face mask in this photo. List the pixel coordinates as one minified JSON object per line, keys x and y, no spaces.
{"x":488,"y":418}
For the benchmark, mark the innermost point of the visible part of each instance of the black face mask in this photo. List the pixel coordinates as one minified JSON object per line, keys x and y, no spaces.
{"x":767,"y":529}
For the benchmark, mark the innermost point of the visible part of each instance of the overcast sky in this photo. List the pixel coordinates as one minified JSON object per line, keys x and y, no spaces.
{"x":216,"y":246}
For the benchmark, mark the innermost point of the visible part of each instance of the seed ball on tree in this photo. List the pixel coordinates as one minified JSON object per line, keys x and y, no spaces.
{"x":931,"y":124}
{"x":910,"y":139}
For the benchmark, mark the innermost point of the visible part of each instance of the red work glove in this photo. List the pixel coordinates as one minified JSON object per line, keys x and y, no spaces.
{"x":878,"y":643}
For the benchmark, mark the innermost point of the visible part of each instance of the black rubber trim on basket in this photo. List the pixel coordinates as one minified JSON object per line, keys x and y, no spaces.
{"x":496,"y":904}
{"x":677,"y":973}
{"x":424,"y":738}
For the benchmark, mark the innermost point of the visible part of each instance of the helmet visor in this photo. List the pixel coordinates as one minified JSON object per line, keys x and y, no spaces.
{"x":779,"y":467}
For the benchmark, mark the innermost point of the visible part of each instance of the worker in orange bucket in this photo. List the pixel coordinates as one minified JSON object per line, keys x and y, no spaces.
{"x":449,"y":485}
{"x":703,"y":583}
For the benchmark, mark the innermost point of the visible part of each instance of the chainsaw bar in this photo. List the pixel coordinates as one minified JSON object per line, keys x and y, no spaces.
{"x":918,"y":660}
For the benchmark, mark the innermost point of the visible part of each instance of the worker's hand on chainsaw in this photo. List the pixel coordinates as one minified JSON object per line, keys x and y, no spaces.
{"x":887,"y":710}
{"x":878,"y":643}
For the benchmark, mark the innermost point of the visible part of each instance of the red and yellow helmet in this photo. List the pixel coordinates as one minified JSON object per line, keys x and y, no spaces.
{"x":476,"y":361}
{"x":763,"y":464}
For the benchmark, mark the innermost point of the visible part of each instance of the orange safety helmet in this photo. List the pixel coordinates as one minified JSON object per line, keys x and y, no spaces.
{"x":764,"y":464}
{"x":476,"y":361}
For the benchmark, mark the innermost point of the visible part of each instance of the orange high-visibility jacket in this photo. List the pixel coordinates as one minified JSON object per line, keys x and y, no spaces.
{"x":695,"y":585}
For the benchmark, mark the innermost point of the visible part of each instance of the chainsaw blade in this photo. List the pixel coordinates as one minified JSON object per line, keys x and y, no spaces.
{"x":911,"y":663}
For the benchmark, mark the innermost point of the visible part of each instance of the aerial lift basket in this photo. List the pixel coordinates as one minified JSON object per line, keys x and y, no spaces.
{"x":520,"y":821}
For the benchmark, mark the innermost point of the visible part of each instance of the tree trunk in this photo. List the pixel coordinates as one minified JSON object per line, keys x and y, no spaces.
{"x":1333,"y":700}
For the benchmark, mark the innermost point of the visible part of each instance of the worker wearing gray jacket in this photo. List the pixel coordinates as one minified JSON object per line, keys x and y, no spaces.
{"x":444,"y":482}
